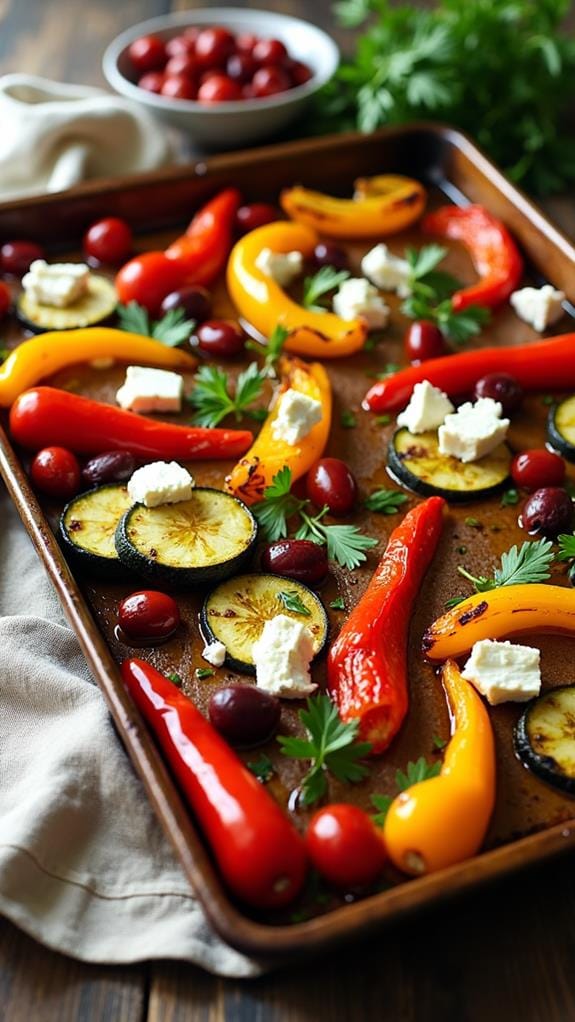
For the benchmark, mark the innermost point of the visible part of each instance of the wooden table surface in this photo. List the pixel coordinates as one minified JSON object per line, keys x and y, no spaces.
{"x":504,"y":953}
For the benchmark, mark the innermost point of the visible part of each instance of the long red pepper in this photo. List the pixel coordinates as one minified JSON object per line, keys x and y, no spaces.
{"x":367,"y":664}
{"x":491,"y":247}
{"x":44,"y":416}
{"x":258,"y":850}
{"x":544,"y":365}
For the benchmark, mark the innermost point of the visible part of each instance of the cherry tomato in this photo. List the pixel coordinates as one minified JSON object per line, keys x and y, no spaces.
{"x":299,"y":72}
{"x":501,"y":387}
{"x":241,"y":67}
{"x":147,"y":279}
{"x":178,"y":87}
{"x":326,"y":253}
{"x":219,"y":89}
{"x":299,"y":559}
{"x":345,"y":846}
{"x":246,"y":41}
{"x":536,"y":468}
{"x":331,"y":482}
{"x":423,"y":340}
{"x":549,"y":511}
{"x":194,"y":300}
{"x":109,"y":240}
{"x":148,"y":614}
{"x":269,"y":52}
{"x":268,"y":81}
{"x":5,"y":299}
{"x":148,"y":53}
{"x":244,"y":714}
{"x":152,"y":81}
{"x":182,"y":64}
{"x":221,"y":337}
{"x":56,"y":471}
{"x":213,"y":47}
{"x":16,"y":256}
{"x":256,"y":214}
{"x":192,"y":32}
{"x":180,"y":44}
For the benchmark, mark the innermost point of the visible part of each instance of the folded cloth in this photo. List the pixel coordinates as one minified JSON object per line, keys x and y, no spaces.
{"x":55,"y":135}
{"x":84,"y":865}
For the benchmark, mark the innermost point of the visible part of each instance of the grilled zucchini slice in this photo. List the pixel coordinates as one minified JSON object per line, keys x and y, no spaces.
{"x":561,"y":427}
{"x":88,"y":526}
{"x":545,"y":738}
{"x":204,"y":539}
{"x":415,"y":462}
{"x":97,"y":305}
{"x":236,"y":612}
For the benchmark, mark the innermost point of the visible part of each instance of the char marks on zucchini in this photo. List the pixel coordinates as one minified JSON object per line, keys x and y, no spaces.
{"x":417,"y":463}
{"x":545,"y":738}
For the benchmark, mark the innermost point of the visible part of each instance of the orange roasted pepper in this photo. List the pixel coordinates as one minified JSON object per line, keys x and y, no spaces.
{"x":49,"y":352}
{"x":439,"y":822}
{"x":268,"y":454}
{"x":264,"y":304}
{"x":381,"y":205}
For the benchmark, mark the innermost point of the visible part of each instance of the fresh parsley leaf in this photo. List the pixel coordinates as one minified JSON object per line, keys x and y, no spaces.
{"x":383,"y":420}
{"x":416,"y":771}
{"x":459,"y":327}
{"x":134,"y":318}
{"x":386,"y":502}
{"x":172,"y":329}
{"x":510,"y":498}
{"x":439,"y":743}
{"x":473,"y":523}
{"x":326,"y":279}
{"x":338,"y":603}
{"x":566,"y":547}
{"x":274,"y":347}
{"x":262,"y":768}
{"x":382,"y":803}
{"x":331,"y":746}
{"x":176,"y":679}
{"x":278,"y":504}
{"x":204,"y":672}
{"x":291,"y":601}
{"x":4,"y":352}
{"x":454,"y":602}
{"x":531,"y":562}
{"x":422,"y":261}
{"x":348,"y":419}
{"x":345,"y":543}
{"x":211,"y":395}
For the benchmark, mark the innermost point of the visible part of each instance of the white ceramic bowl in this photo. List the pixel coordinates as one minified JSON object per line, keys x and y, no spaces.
{"x":228,"y":125}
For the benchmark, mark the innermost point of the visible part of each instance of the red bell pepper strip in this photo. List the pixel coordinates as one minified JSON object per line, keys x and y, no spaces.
{"x":544,"y":365}
{"x":367,"y":664}
{"x":259,"y":852}
{"x":491,"y":247}
{"x":46,"y":416}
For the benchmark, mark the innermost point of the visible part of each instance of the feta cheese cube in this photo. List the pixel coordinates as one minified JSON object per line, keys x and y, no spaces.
{"x":357,"y":298}
{"x":297,"y":414}
{"x":386,"y":270}
{"x":151,"y":390}
{"x":538,"y":306}
{"x":161,"y":482}
{"x":56,"y":284}
{"x":504,"y":672}
{"x":283,"y":267}
{"x":215,"y":653}
{"x":426,"y":410}
{"x":474,"y":430}
{"x":282,"y":656}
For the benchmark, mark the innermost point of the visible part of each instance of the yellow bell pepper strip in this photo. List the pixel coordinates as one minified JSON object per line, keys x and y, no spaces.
{"x":49,"y":352}
{"x":381,"y":205}
{"x":264,"y":304}
{"x":268,"y":454}
{"x":443,"y":820}
{"x":530,"y":607}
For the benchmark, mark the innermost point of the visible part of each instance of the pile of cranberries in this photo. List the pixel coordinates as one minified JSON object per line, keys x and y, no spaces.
{"x":213,"y":65}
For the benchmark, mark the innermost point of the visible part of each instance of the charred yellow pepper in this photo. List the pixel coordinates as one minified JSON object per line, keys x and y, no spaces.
{"x":531,"y":607}
{"x":264,"y":304}
{"x":269,"y":453}
{"x":443,"y":820}
{"x":49,"y":352}
{"x":381,"y":205}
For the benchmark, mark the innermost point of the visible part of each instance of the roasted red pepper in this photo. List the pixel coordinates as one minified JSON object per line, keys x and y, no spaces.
{"x":259,"y":852}
{"x":491,"y":247}
{"x":46,"y":417}
{"x":545,"y":365}
{"x":367,"y":664}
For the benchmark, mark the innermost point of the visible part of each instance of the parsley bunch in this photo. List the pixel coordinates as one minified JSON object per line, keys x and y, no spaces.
{"x":172,"y":329}
{"x":430,"y":296}
{"x":212,"y":399}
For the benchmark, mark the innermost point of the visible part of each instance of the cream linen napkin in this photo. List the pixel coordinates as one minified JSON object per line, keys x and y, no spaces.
{"x":84,"y":866}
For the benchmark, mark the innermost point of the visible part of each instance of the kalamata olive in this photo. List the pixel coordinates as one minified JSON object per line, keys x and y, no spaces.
{"x":256,"y":214}
{"x":423,"y":340}
{"x":16,"y":256}
{"x":109,"y":467}
{"x":244,"y":715}
{"x":331,"y":482}
{"x":195,"y":301}
{"x":501,"y":387}
{"x":299,"y":559}
{"x":537,"y":468}
{"x":148,"y":614}
{"x":221,"y":337}
{"x":328,"y":254}
{"x":548,"y":511}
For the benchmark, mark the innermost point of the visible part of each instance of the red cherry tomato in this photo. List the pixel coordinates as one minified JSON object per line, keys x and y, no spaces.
{"x":241,"y":67}
{"x":345,"y":846}
{"x":147,"y":279}
{"x":16,"y":256}
{"x":246,"y":41}
{"x":5,"y":299}
{"x":219,"y":88}
{"x":331,"y":482}
{"x":268,"y":81}
{"x":192,"y":32}
{"x":148,"y":615}
{"x":537,"y":468}
{"x":108,"y":240}
{"x":213,"y":47}
{"x":255,"y":215}
{"x":152,"y":81}
{"x":269,"y":51}
{"x":424,"y":340}
{"x":56,"y":471}
{"x":148,"y":53}
{"x":221,"y":337}
{"x":180,"y":44}
{"x":299,"y":72}
{"x":178,"y":87}
{"x":182,"y":64}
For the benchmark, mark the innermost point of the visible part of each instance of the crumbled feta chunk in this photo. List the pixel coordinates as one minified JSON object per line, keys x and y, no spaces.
{"x":215,"y":653}
{"x":356,"y":298}
{"x":474,"y":430}
{"x":283,"y":267}
{"x":426,"y":410}
{"x":151,"y":390}
{"x":56,"y":284}
{"x":297,"y":414}
{"x":504,"y":672}
{"x":538,"y":306}
{"x":387,"y":271}
{"x":161,"y":482}
{"x":282,"y":656}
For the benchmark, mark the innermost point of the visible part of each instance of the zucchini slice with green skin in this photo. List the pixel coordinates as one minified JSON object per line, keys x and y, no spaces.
{"x":97,"y":305}
{"x":545,"y":738}
{"x":416,"y":462}
{"x":194,"y":542}
{"x":561,"y":427}
{"x":88,"y":527}
{"x":236,"y":612}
